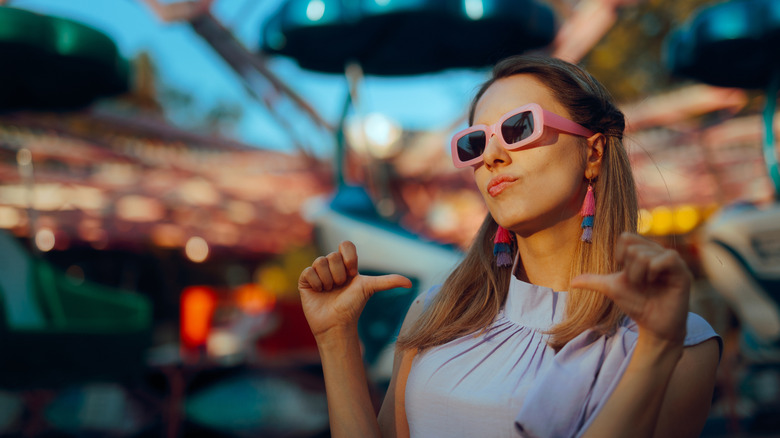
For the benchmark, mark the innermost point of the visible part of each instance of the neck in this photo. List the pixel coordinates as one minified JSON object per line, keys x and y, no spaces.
{"x":546,"y":256}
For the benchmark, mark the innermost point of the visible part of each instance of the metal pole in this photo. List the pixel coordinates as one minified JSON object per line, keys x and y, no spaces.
{"x":341,"y":144}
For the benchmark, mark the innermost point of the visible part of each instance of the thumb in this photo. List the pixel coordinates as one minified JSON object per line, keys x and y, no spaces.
{"x":600,"y":283}
{"x":385,"y":282}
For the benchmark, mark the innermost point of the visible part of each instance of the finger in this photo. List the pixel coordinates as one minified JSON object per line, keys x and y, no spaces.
{"x":322,"y":267}
{"x":636,"y":271}
{"x":598,"y":282}
{"x":385,"y":282}
{"x":636,"y":264}
{"x":337,"y":269}
{"x":667,"y":262}
{"x":635,"y":238}
{"x":628,"y":240}
{"x":310,"y":279}
{"x":349,"y":254}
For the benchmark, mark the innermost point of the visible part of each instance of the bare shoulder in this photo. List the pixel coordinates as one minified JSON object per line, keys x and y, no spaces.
{"x":695,"y":372}
{"x":392,"y":415}
{"x":697,"y":367}
{"x":702,"y":354}
{"x":414,"y":312}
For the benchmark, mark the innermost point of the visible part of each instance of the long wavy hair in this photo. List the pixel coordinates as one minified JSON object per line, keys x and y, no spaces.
{"x":474,"y":293}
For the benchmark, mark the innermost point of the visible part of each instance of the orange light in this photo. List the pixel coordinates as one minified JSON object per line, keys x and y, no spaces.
{"x":254,"y":300}
{"x":197,"y":307}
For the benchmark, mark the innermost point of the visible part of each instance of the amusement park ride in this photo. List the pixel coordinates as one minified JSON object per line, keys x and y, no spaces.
{"x":396,"y":38}
{"x":741,"y":249}
{"x":59,"y":64}
{"x":734,"y":44}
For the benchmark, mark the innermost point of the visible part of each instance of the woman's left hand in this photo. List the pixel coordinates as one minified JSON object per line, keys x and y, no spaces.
{"x":652,"y":288}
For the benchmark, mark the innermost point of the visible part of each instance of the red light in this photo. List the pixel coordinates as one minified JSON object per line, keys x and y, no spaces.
{"x":254,"y":300}
{"x":197,"y":308}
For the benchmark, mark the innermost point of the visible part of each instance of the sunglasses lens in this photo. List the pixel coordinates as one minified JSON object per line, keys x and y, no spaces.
{"x":518,"y":127}
{"x":471,"y":145}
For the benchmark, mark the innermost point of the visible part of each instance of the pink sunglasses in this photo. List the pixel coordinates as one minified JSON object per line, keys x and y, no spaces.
{"x":515,"y":129}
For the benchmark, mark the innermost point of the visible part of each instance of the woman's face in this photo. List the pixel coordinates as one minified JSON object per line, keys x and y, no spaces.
{"x":536,"y":187}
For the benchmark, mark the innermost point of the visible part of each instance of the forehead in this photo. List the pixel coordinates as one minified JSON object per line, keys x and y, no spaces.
{"x":509,"y":93}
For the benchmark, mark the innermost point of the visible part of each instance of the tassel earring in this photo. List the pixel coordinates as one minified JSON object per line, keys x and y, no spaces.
{"x":588,"y":212}
{"x":502,"y":247}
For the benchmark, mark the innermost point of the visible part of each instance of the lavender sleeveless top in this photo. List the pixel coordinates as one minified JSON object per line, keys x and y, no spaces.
{"x":509,"y":383}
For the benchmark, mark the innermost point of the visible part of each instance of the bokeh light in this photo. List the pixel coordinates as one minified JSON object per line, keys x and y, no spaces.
{"x":196,"y":249}
{"x":223,"y":343}
{"x":645,"y":221}
{"x":275,"y":279}
{"x":315,"y":10}
{"x":253,"y":299}
{"x":686,"y":218}
{"x":382,"y":134}
{"x":24,"y":157}
{"x":475,"y":9}
{"x":44,"y":239}
{"x":663,"y":221}
{"x":197,"y":308}
{"x":9,"y":217}
{"x":137,"y":208}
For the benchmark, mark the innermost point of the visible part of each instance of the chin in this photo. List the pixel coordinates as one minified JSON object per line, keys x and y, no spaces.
{"x":514,"y":223}
{"x":525,"y":224}
{"x":517,"y":215}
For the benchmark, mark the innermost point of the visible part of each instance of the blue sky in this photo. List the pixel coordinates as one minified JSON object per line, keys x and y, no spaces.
{"x":186,"y":62}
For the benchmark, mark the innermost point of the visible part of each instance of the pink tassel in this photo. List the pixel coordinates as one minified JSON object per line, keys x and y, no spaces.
{"x":589,"y":205}
{"x":502,"y":247}
{"x":587,"y":211}
{"x":502,"y":235}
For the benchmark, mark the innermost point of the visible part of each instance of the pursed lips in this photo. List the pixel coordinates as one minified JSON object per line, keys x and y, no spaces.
{"x":498,"y":183}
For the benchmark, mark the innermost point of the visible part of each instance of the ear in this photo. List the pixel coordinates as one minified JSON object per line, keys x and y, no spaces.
{"x":596,"y":144}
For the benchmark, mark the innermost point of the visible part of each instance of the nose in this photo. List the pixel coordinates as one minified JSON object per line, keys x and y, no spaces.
{"x":495,"y":154}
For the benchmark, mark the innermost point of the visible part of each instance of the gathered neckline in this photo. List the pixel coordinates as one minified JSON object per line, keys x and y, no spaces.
{"x":534,"y":306}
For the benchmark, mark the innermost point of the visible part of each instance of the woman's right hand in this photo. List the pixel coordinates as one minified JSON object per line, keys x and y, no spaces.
{"x":333,"y":293}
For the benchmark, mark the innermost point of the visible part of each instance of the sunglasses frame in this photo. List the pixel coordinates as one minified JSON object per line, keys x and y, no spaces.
{"x":541,"y":118}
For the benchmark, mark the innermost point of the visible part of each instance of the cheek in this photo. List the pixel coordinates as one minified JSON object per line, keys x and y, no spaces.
{"x":542,"y":163}
{"x":562,"y":158}
{"x":553,"y":171}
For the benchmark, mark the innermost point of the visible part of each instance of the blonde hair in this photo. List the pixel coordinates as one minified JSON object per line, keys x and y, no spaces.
{"x":475,"y":291}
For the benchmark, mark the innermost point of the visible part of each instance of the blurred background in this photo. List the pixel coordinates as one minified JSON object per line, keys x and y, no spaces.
{"x":167,"y":169}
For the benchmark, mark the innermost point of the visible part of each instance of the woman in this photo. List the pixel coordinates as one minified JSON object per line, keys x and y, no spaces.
{"x":499,"y":350}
